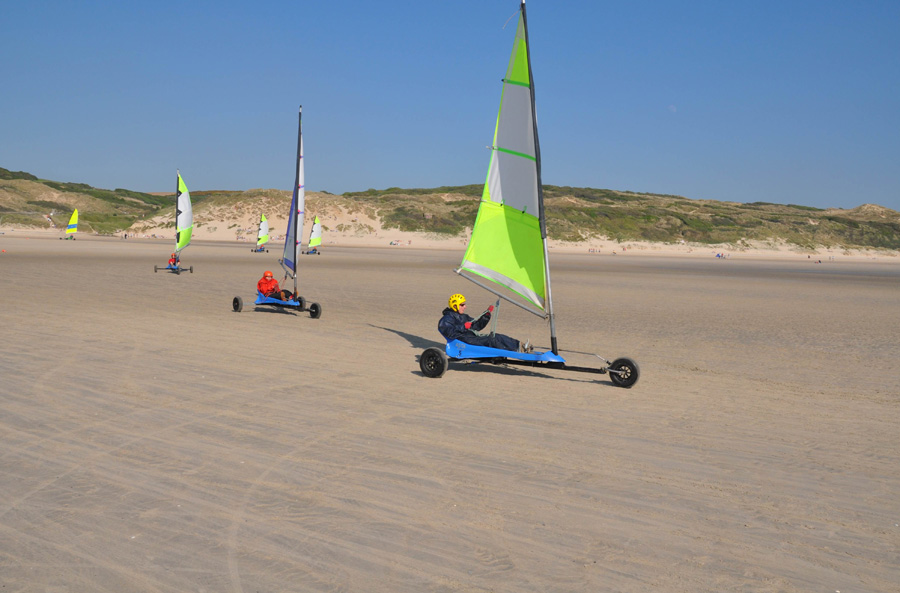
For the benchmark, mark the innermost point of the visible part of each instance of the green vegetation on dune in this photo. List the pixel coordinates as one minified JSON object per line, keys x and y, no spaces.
{"x":101,"y":210}
{"x":465,"y":190}
{"x":573,"y":213}
{"x":117,"y":197}
{"x":7,"y":174}
{"x":443,"y":210}
{"x":579,"y":214}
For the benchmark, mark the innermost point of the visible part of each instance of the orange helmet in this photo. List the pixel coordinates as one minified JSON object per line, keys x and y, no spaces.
{"x":267,"y":274}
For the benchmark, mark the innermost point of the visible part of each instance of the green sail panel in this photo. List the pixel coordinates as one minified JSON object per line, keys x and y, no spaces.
{"x":506,"y":246}
{"x":184,"y":216}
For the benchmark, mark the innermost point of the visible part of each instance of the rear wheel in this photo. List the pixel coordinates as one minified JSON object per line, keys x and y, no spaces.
{"x":155,"y":269}
{"x":315,"y":310}
{"x":192,"y":269}
{"x":433,"y":362}
{"x":237,"y":304}
{"x":624,"y":372}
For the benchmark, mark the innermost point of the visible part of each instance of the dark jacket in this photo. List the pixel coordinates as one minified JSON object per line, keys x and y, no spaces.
{"x":453,"y":324}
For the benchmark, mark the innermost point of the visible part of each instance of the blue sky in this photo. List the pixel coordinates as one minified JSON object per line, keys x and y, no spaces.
{"x":788,"y":102}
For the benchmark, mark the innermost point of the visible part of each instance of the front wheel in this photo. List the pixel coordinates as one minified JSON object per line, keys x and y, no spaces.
{"x":433,"y":362}
{"x":237,"y":304}
{"x":315,"y":310}
{"x":624,"y":372}
{"x":302,"y":302}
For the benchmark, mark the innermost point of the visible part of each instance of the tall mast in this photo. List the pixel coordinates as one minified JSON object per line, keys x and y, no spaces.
{"x":540,"y":188}
{"x":298,"y":187}
{"x":177,"y":189}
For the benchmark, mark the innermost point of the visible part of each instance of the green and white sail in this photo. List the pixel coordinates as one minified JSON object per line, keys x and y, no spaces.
{"x":315,"y":235}
{"x":508,"y":242}
{"x":184,"y":216}
{"x":262,"y":237}
{"x":72,"y":228}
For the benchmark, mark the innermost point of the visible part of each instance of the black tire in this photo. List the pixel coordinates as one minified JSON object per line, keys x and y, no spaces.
{"x":434,"y":363}
{"x":155,"y":269}
{"x":302,"y":302}
{"x":628,"y":372}
{"x":237,"y":304}
{"x":192,"y":269}
{"x":315,"y":310}
{"x":178,"y":271}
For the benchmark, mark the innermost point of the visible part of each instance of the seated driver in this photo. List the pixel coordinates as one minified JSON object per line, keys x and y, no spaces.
{"x":268,"y":286}
{"x":457,"y":325}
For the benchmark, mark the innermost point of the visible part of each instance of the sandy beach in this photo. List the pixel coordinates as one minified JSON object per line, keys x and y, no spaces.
{"x":155,"y":440}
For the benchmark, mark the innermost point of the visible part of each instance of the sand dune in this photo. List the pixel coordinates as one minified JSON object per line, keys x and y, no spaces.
{"x":154,"y":440}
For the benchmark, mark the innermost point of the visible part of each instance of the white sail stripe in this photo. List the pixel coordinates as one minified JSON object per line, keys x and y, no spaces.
{"x":503,"y":281}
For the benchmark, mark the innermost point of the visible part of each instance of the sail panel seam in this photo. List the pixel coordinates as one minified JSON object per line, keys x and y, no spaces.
{"x":515,"y":153}
{"x":516,"y":82}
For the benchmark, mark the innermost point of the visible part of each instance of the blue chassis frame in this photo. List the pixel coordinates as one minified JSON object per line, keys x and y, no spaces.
{"x":457,"y":350}
{"x":261,"y":299}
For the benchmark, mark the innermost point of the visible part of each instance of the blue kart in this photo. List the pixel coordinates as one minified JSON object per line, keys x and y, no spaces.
{"x":434,"y":362}
{"x":314,"y":309}
{"x":260,"y":249}
{"x":176,"y":268}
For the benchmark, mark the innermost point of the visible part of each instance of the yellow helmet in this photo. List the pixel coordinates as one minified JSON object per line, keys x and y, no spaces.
{"x":455,"y":301}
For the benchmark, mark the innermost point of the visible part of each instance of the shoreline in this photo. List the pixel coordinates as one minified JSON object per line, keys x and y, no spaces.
{"x":400,"y":240}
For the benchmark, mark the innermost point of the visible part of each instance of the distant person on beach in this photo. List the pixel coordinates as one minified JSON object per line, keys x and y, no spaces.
{"x":173,"y":260}
{"x":268,"y":286}
{"x":457,"y":325}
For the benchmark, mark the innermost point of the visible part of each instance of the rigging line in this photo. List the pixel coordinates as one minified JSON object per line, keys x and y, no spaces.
{"x":495,"y":316}
{"x":510,"y":18}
